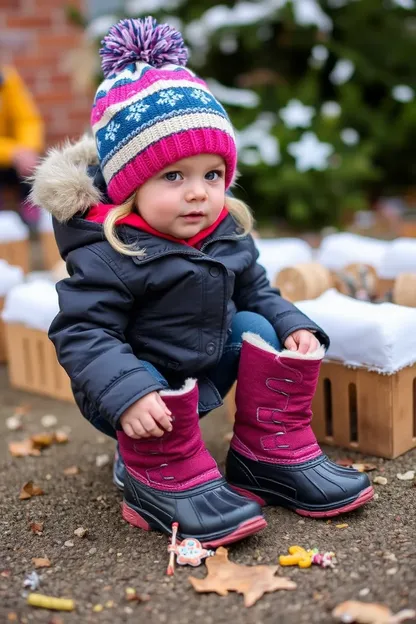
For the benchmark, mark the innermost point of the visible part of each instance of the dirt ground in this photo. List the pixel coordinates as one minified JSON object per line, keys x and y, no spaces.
{"x":376,"y":552}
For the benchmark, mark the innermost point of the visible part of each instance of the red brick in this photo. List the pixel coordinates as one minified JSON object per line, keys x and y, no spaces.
{"x":28,"y":21}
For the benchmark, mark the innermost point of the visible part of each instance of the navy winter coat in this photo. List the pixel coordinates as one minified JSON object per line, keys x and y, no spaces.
{"x":172,"y":307}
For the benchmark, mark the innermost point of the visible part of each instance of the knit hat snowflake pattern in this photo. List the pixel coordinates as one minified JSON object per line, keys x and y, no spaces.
{"x":151,"y":111}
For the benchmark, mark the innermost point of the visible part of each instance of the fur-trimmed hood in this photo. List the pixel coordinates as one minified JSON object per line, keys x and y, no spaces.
{"x":62,"y":184}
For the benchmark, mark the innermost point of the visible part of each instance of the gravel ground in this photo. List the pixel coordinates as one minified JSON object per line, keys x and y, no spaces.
{"x":376,"y":552}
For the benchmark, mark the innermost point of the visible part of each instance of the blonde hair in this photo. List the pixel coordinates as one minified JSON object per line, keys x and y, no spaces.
{"x":237,"y":209}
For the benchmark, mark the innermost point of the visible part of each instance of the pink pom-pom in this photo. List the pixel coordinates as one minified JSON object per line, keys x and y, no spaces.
{"x":135,"y":40}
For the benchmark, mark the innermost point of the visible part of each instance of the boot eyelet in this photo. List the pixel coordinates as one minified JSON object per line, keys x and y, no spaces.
{"x":168,"y":478}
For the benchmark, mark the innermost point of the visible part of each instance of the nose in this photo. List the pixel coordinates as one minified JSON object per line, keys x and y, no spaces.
{"x":196,"y":191}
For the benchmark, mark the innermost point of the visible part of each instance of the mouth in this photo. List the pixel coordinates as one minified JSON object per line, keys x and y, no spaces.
{"x":193,"y":216}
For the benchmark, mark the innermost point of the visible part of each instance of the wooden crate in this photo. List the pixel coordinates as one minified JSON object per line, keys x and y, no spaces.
{"x":50,"y":253}
{"x":3,"y":351}
{"x":17,"y":253}
{"x":33,"y":365}
{"x":365,"y":411}
{"x":361,"y":410}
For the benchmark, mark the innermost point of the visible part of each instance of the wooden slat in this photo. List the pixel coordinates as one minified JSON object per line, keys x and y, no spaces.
{"x":16,"y":253}
{"x":50,"y":253}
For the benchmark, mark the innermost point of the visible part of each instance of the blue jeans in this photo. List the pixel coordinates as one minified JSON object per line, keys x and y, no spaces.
{"x":225,"y":374}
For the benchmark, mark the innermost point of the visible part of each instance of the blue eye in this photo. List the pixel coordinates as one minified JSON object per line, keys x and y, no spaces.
{"x":172,"y":176}
{"x":214,"y":175}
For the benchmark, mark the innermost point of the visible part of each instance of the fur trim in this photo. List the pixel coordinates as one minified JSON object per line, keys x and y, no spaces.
{"x":257,"y":341}
{"x":187,"y":387}
{"x":61,"y":184}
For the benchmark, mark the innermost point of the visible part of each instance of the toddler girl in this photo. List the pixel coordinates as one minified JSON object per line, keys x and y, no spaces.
{"x":166,"y":306}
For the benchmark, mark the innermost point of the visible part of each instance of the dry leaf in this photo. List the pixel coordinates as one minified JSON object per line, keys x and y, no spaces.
{"x":5,"y":573}
{"x":251,"y":581}
{"x":29,"y":490}
{"x":131,"y":594}
{"x":36,"y":527}
{"x":61,"y":437}
{"x":23,"y":448}
{"x":41,"y":562}
{"x":22,"y":410}
{"x":42,"y":440}
{"x":341,"y":526}
{"x":361,"y":467}
{"x":12,"y":617}
{"x":72,"y":470}
{"x":369,"y":613}
{"x":364,"y":467}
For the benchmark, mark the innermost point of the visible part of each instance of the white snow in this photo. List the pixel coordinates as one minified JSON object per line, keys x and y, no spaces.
{"x":381,"y":337}
{"x":245,"y":98}
{"x":10,"y":276}
{"x":278,"y":253}
{"x":350,"y":136}
{"x":296,"y":115}
{"x":45,"y":222}
{"x":340,"y":249}
{"x":403,"y":93}
{"x":257,"y":137}
{"x":310,"y":153}
{"x":342,"y":71}
{"x":12,"y":227}
{"x":34,"y":304}
{"x":331,"y":109}
{"x":400,"y":257}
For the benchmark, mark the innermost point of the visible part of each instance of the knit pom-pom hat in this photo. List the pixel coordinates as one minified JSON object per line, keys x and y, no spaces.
{"x":150,"y":111}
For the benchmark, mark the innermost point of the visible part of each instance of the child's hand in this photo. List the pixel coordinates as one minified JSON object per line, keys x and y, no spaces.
{"x":149,"y":416}
{"x":303,"y":341}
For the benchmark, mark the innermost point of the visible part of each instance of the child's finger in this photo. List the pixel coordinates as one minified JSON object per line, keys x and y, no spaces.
{"x":163,"y":419}
{"x":290,"y":344}
{"x":150,"y":425}
{"x":304,"y":343}
{"x":139,"y":430}
{"x":163,"y":404}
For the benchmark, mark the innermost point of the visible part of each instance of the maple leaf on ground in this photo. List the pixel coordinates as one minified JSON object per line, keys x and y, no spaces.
{"x":29,"y":490}
{"x":42,"y":440}
{"x":251,"y":581}
{"x":23,"y":448}
{"x":41,"y":562}
{"x":36,"y":527}
{"x":369,"y":613}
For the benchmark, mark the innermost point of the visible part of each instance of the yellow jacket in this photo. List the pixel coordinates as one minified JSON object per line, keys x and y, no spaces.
{"x":20,"y":122}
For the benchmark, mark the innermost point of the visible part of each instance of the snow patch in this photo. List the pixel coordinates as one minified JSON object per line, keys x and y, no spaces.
{"x":279,"y":253}
{"x":33,"y":304}
{"x":10,"y":276}
{"x":12,"y":227}
{"x":381,"y":337}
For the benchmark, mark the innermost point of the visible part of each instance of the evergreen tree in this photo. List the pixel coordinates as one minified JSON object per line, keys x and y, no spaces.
{"x":321,"y":93}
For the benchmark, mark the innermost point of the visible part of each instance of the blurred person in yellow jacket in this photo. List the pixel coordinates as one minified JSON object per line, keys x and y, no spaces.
{"x":21,"y":137}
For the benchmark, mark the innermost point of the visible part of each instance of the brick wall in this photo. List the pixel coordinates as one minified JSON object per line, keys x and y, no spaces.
{"x":35,"y":37}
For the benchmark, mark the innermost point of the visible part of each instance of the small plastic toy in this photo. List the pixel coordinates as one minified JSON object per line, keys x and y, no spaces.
{"x":188,"y":552}
{"x":305,"y":558}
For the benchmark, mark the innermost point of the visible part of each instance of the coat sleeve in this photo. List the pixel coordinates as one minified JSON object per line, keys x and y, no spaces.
{"x":254,"y":293}
{"x":23,"y":117}
{"x":89,"y":335}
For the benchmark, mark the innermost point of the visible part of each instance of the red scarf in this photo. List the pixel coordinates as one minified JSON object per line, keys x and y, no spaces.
{"x":99,"y":212}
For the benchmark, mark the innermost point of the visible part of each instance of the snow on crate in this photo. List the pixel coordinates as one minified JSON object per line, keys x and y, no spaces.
{"x":380,"y":337}
{"x":12,"y":227}
{"x":278,"y":253}
{"x":343,"y":248}
{"x":33,"y":304}
{"x":45,"y":222}
{"x":400,"y":257}
{"x":10,"y":276}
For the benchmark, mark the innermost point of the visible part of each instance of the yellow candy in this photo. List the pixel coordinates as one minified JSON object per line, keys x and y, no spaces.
{"x":50,"y":602}
{"x":297,"y":556}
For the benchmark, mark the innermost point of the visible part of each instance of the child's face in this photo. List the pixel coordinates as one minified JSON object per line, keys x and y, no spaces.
{"x":184,"y":198}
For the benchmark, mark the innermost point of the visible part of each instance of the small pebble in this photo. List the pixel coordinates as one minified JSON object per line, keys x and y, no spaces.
{"x":14,"y":423}
{"x":92,"y":551}
{"x":406,"y":476}
{"x":391,"y":571}
{"x":49,"y":420}
{"x":380,"y":480}
{"x":68,"y":544}
{"x":128,"y":610}
{"x":364,"y":592}
{"x":80,"y":532}
{"x":102,"y":460}
{"x":48,"y":477}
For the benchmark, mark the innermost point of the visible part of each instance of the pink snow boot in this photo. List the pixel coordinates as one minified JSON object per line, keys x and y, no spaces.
{"x":274,"y":455}
{"x":175,"y":479}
